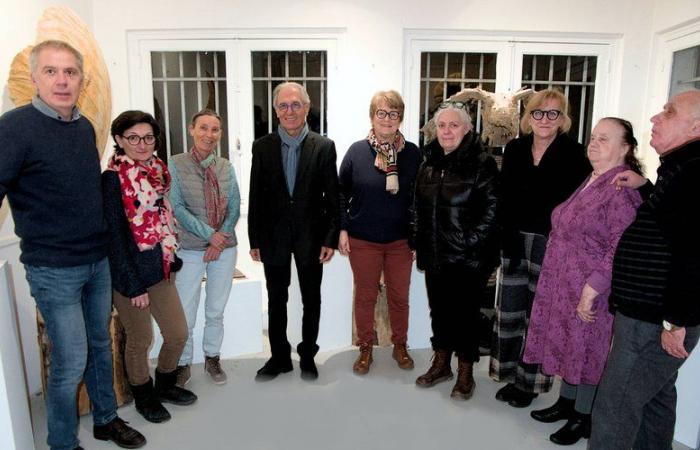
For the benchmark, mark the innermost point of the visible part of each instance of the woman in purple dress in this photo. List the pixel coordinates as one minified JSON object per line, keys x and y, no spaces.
{"x":570,"y":327}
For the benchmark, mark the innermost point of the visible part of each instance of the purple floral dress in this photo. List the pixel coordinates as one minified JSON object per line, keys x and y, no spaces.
{"x":580,"y":250}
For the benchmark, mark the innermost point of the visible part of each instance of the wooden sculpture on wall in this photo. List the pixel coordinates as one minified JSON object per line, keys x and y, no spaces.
{"x":95,"y":101}
{"x":499,"y":114}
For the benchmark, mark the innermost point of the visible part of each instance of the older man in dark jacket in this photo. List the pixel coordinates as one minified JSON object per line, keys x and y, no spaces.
{"x":293,"y":209}
{"x":655,"y":292}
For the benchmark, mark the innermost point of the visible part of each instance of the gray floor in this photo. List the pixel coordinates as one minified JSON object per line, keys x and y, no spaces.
{"x":340,"y":411}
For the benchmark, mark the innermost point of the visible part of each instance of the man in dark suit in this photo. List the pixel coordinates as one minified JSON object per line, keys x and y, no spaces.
{"x":293,"y":210}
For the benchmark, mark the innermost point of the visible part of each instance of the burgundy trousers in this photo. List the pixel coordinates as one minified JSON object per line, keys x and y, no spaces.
{"x":368,"y":260}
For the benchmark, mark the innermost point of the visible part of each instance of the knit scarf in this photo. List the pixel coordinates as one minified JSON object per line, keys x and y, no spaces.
{"x":387,"y":154}
{"x":291,"y":160}
{"x":215,"y":203}
{"x":148,"y":212}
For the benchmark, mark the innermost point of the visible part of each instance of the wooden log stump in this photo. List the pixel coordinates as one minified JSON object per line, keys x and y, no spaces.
{"x":120,"y":382}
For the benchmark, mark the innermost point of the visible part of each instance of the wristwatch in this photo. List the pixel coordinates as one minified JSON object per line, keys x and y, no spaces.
{"x":668,"y":326}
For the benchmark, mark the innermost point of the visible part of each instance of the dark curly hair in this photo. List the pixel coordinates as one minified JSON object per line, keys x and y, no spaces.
{"x":128,"y":119}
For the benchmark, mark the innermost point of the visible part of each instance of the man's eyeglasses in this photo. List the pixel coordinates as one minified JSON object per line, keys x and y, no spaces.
{"x":453,"y":104}
{"x":135,"y":139}
{"x":538,"y":114}
{"x":382,"y":114}
{"x":296,"y":106}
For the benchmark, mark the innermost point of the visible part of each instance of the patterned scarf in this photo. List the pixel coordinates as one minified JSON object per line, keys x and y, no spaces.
{"x":387,"y":154}
{"x":150,"y":217}
{"x":216,"y":204}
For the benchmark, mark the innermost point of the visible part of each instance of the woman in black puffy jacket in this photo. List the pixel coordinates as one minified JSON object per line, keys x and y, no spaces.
{"x":454,"y":234}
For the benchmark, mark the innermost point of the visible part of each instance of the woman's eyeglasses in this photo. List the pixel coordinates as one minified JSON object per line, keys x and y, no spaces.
{"x":453,"y":104}
{"x":135,"y":139}
{"x":382,"y":114}
{"x":538,"y":114}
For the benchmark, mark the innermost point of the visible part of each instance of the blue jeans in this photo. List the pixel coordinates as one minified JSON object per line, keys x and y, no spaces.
{"x":636,"y":402}
{"x":218,"y":287}
{"x":76,"y":303}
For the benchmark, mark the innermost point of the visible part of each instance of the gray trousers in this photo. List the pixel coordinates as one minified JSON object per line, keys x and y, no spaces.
{"x":636,"y":403}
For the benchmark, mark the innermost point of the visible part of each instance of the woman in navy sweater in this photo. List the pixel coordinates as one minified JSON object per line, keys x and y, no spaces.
{"x":376,"y":188}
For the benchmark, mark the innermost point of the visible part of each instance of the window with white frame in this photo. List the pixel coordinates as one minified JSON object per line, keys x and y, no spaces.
{"x":270,"y":68}
{"x":183,"y":84}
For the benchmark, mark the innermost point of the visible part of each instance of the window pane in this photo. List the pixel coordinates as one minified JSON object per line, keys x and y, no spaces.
{"x":454,"y":65}
{"x":313,"y":64}
{"x":224,"y":145}
{"x":175,"y":117}
{"x":221,"y":64}
{"x":259,"y":64}
{"x":296,"y":67}
{"x":560,"y":68}
{"x":490,"y":66}
{"x":437,"y":65}
{"x":577,"y":68}
{"x":685,"y":73}
{"x":206,"y":64}
{"x":156,"y":64}
{"x":260,"y":109}
{"x":189,"y":64}
{"x":278,"y":63}
{"x":172,"y":64}
{"x":541,"y":68}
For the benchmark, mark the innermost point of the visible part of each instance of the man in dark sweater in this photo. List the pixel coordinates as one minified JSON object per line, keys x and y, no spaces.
{"x":655,"y":291}
{"x":50,"y":173}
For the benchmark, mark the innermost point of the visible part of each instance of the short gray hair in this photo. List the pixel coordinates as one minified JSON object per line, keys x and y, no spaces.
{"x":302,"y":91}
{"x":463,"y":114}
{"x":55,"y":45}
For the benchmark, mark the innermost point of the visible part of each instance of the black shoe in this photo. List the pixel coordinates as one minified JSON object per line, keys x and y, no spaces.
{"x":561,"y":410}
{"x":308,"y":368}
{"x":577,"y":427}
{"x":78,"y":448}
{"x":168,"y":392}
{"x":272,"y":368}
{"x":120,"y":433}
{"x":505,"y":394}
{"x":521,"y":399}
{"x":148,"y":404}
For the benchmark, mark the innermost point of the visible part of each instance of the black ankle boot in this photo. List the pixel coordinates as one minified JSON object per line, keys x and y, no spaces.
{"x":561,"y":410}
{"x":147,"y":403}
{"x":521,"y":399}
{"x":577,"y":427}
{"x":169,"y":393}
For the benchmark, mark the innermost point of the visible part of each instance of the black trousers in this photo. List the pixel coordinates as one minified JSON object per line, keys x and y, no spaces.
{"x":454,"y":297}
{"x":277,"y":279}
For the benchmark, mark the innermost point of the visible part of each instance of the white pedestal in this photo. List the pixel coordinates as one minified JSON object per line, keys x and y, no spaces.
{"x":242,"y":323}
{"x":15,"y":422}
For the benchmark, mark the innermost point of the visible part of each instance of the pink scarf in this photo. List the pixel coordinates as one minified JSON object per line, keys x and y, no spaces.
{"x":216,"y":205}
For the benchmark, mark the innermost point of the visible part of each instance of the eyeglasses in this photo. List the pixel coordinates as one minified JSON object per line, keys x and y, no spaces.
{"x":538,"y":114}
{"x":452,"y":104}
{"x":296,"y":106}
{"x":381,"y":114}
{"x":135,"y":139}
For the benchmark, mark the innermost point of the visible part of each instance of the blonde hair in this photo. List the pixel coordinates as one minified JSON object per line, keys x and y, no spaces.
{"x":391,"y":98}
{"x":537,"y":100}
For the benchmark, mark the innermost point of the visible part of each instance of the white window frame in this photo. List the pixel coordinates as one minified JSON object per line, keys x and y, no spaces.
{"x":510,"y":48}
{"x":237,"y":45}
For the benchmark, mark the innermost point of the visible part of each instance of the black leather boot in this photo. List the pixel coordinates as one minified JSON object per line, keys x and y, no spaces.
{"x":168,"y":392}
{"x":561,"y":410}
{"x":147,"y":403}
{"x":577,"y":427}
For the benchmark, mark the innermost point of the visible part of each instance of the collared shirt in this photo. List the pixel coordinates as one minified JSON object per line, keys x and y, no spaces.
{"x":45,"y":109}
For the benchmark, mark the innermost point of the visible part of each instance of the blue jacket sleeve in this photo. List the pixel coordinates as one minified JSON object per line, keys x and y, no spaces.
{"x":233,"y":210}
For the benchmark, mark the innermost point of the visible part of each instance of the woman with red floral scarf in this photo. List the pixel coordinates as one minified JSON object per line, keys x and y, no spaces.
{"x":143,"y":262}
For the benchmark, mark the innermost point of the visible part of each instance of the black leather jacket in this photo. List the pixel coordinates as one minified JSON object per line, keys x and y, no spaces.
{"x":454,"y":210}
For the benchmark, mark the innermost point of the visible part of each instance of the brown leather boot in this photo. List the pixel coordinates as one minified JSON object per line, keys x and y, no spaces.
{"x":439,"y":370}
{"x":401,"y":356}
{"x":464,"y":387}
{"x":361,"y":366}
